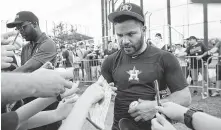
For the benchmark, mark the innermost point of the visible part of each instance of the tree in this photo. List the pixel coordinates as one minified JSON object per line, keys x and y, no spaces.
{"x":65,"y":35}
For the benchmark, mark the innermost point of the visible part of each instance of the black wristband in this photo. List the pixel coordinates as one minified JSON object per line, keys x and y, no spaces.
{"x":59,"y":98}
{"x":188,"y":117}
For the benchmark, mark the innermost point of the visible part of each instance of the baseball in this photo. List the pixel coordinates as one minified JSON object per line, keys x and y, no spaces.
{"x":133,"y":104}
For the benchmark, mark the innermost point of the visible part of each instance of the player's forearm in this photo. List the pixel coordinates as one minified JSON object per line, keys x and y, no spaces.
{"x":15,"y":86}
{"x":30,"y":109}
{"x":182,"y":97}
{"x":203,"y":121}
{"x":78,"y":114}
{"x":40,"y":119}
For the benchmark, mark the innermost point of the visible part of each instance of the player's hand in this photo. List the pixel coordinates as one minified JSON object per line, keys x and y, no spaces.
{"x":64,"y":107}
{"x":48,"y":83}
{"x":145,"y":110}
{"x":114,"y":89}
{"x":71,"y":92}
{"x":160,"y":123}
{"x":172,"y":111}
{"x":94,"y":92}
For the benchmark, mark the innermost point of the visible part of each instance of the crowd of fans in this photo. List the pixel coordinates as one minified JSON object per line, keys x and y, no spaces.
{"x":84,"y":58}
{"x":193,"y":57}
{"x":34,"y":96}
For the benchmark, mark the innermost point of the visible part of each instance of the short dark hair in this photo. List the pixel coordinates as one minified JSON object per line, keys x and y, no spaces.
{"x":192,"y":37}
{"x":62,"y":46}
{"x":123,"y":18}
{"x":159,"y":35}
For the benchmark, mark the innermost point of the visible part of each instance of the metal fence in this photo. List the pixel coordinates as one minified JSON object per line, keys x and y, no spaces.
{"x":213,"y":77}
{"x":88,"y":70}
{"x":200,"y":74}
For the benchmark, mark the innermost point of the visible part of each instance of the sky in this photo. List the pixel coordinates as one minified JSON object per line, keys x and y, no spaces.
{"x":86,"y":14}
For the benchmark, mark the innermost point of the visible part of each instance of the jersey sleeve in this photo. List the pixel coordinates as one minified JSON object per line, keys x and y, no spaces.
{"x":46,"y":52}
{"x":106,"y":69}
{"x":173,"y":74}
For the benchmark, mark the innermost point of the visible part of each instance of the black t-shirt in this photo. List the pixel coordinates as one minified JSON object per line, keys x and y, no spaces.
{"x":134,"y":78}
{"x":196,"y":50}
{"x":66,"y":55}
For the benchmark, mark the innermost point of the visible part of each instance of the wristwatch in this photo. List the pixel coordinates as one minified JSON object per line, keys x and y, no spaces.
{"x":188,"y":117}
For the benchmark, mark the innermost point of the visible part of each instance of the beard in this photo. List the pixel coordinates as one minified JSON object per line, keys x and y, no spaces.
{"x":31,"y":36}
{"x":133,"y":48}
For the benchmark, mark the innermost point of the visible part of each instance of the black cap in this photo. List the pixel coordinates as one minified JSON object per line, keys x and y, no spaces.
{"x":191,"y":37}
{"x":22,"y":17}
{"x":129,"y":9}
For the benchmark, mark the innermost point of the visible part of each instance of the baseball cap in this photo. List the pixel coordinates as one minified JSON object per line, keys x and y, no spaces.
{"x":22,"y":17}
{"x":129,"y":9}
{"x":191,"y":37}
{"x":178,"y":43}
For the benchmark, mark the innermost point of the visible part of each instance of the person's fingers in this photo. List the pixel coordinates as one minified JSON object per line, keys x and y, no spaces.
{"x":71,"y":100}
{"x":5,"y":41}
{"x":135,"y":114}
{"x":67,"y":84}
{"x":70,"y":92}
{"x":111,"y":84}
{"x":138,"y":118}
{"x":161,"y":119}
{"x":160,"y":109}
{"x":67,"y":74}
{"x":114,"y":89}
{"x":9,"y":47}
{"x":156,"y":125}
{"x":9,"y":34}
{"x":62,"y":90}
{"x":8,"y":53}
{"x":132,"y":110}
{"x":7,"y":59}
{"x":140,"y":100}
{"x":5,"y":65}
{"x":113,"y":93}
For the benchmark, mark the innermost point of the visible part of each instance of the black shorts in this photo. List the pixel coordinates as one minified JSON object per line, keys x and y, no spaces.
{"x":218,"y":72}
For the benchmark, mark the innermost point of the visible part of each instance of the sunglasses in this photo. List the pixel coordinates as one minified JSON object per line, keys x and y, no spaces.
{"x":22,"y":28}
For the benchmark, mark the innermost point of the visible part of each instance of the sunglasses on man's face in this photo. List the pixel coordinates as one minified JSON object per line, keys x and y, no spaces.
{"x":22,"y":27}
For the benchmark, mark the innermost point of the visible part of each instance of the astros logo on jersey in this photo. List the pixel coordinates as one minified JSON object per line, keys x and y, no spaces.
{"x":134,"y":74}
